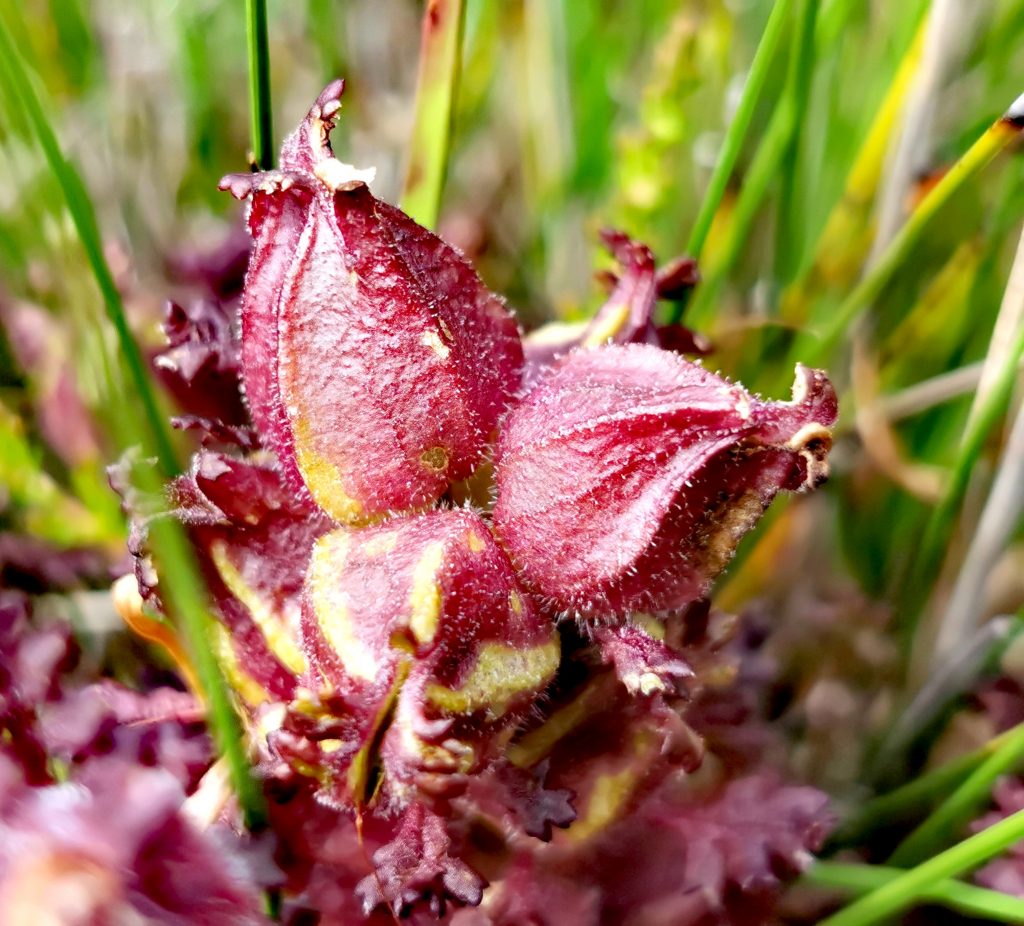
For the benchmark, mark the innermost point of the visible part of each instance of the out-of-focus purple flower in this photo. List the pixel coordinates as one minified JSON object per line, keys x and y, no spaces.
{"x":376,"y":363}
{"x":627,"y":317}
{"x":218,"y":272}
{"x":31,"y":661}
{"x":627,"y":476}
{"x":114,"y":847}
{"x":35,"y":566}
{"x":60,"y":412}
{"x":200,"y":365}
{"x":675,"y":860}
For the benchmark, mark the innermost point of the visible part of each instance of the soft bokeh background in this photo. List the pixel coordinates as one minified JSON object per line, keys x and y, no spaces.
{"x":573,"y":116}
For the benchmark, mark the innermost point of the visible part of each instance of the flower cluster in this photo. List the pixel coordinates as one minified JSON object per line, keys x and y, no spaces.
{"x":461,"y":574}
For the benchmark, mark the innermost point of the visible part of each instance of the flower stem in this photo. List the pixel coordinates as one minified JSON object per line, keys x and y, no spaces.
{"x":963,"y":898}
{"x":259,"y":85}
{"x":910,"y":886}
{"x":436,"y":92}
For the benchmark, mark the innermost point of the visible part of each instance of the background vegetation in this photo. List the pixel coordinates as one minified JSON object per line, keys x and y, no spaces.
{"x":869,"y":223}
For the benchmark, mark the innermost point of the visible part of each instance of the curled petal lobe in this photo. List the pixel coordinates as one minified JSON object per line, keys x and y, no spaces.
{"x":627,"y":476}
{"x":627,"y":316}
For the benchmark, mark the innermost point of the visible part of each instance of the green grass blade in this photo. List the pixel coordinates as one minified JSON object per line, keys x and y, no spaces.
{"x":964,"y":803}
{"x":963,"y":898}
{"x":738,"y":128}
{"x":262,"y":132}
{"x":841,"y":246}
{"x":181,"y":586}
{"x":978,"y":429}
{"x":19,"y":86}
{"x":813,"y":349}
{"x":436,"y":93}
{"x":788,"y":234}
{"x":763,"y":170}
{"x":918,"y":795}
{"x":910,"y":886}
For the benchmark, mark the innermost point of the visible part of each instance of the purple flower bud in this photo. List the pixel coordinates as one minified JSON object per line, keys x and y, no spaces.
{"x":627,"y":476}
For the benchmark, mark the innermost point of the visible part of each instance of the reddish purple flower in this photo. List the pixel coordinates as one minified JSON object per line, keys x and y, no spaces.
{"x":627,"y":476}
{"x":376,"y":364}
{"x":419,"y":627}
{"x":418,"y":717}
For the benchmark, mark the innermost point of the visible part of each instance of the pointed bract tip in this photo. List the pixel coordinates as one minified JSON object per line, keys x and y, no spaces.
{"x":813,"y":389}
{"x":1014,"y":116}
{"x":329,"y":100}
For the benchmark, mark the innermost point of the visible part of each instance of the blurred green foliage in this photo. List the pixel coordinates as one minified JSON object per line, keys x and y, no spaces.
{"x":570,"y":116}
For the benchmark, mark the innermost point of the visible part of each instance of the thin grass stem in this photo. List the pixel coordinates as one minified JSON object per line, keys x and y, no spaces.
{"x":910,"y":886}
{"x":962,"y":898}
{"x":788,"y":232}
{"x":737,"y":131}
{"x":995,"y":139}
{"x":181,"y":586}
{"x":961,"y":805}
{"x":975,"y":434}
{"x":260,"y":114}
{"x":436,"y":93}
{"x":916,"y":796}
{"x":20,"y":87}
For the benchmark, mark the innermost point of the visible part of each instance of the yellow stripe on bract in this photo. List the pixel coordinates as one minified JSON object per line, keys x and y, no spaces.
{"x":611,"y":326}
{"x":425,"y":597}
{"x":241,"y":682}
{"x":358,"y":776}
{"x":380,"y":544}
{"x":332,"y":616}
{"x":323,"y":478}
{"x":275,"y":631}
{"x":539,"y":742}
{"x":608,"y":797}
{"x":501,"y":675}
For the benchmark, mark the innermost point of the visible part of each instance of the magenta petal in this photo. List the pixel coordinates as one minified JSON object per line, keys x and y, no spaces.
{"x":376,"y":363}
{"x":628,"y":475}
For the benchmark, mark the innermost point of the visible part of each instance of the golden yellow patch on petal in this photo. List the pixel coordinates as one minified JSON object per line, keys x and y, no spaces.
{"x":324,"y":479}
{"x":475,"y":543}
{"x":274,"y":629}
{"x":608,"y":797}
{"x":502,"y":674}
{"x":240,"y":681}
{"x":515,"y":602}
{"x":425,"y":596}
{"x":611,"y":326}
{"x":332,"y":615}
